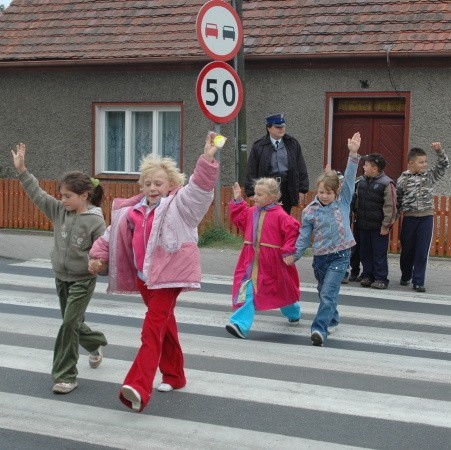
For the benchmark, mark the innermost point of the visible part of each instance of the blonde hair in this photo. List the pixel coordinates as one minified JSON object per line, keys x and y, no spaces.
{"x":330,"y":180}
{"x":271,"y":186}
{"x":153,"y":163}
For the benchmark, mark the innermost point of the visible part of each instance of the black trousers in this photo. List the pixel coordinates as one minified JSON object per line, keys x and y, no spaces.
{"x":373,"y":254}
{"x":355,"y":251}
{"x":285,"y":197}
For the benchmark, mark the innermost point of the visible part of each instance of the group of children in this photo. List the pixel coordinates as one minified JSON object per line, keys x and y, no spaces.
{"x":265,"y":277}
{"x":378,"y":203}
{"x":268,"y":254}
{"x":151,"y":248}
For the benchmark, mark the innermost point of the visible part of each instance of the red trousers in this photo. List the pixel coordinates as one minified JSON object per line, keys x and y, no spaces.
{"x":160,"y":346}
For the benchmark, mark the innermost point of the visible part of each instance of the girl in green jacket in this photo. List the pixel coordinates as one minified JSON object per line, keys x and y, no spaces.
{"x":77,"y":221}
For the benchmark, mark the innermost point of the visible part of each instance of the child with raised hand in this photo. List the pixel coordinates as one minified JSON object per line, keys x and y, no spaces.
{"x":262,"y":280}
{"x":326,"y":218}
{"x":77,"y":221}
{"x":415,"y":201}
{"x":151,"y":248}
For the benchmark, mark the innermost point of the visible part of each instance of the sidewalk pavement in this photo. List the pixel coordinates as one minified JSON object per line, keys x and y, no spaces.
{"x":26,"y":244}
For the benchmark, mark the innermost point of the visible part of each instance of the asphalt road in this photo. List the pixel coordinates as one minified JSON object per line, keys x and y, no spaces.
{"x":382,"y":381}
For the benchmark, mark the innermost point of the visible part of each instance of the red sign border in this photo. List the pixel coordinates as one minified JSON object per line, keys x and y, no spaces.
{"x":200,"y":79}
{"x":200,"y":37}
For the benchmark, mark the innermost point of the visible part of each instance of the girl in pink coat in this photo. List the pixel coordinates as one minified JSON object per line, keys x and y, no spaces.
{"x":151,"y":247}
{"x":262,"y":279}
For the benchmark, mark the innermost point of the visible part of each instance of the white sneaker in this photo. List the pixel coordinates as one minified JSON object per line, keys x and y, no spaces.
{"x":165,"y":387}
{"x":132,"y":395}
{"x":95,"y":360}
{"x":64,"y":388}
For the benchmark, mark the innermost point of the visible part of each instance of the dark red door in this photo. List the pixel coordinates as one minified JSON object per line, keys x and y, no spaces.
{"x":384,"y":135}
{"x":388,"y":140}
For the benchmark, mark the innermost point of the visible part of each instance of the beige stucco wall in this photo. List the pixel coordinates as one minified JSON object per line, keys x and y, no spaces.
{"x":52,"y":111}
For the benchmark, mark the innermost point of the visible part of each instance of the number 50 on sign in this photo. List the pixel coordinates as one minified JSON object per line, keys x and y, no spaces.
{"x":219,"y":92}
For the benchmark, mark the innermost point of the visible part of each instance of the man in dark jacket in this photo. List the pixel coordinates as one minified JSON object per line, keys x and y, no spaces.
{"x":278,"y":155}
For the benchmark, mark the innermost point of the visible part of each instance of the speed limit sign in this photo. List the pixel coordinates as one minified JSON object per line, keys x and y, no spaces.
{"x":219,"y":92}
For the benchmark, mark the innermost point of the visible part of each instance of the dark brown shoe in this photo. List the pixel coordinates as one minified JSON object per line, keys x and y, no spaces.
{"x":378,"y":285}
{"x":419,"y":288}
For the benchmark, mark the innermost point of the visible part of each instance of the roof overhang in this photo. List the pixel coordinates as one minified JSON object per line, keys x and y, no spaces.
{"x":398,"y":58}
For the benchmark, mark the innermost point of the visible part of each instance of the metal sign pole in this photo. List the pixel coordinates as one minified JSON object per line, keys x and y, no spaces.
{"x":216,"y":15}
{"x":218,"y":221}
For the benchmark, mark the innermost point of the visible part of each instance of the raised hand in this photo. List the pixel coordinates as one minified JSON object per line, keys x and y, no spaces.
{"x":354,"y":143}
{"x":437,"y":146}
{"x":210,"y":148}
{"x":19,"y":157}
{"x":236,"y":191}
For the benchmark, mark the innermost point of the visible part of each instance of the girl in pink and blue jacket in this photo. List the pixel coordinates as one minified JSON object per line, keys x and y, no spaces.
{"x":151,"y":248}
{"x":262,"y":280}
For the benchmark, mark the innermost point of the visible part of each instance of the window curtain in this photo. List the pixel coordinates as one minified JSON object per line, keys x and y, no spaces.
{"x":115,"y":140}
{"x":169,"y":134}
{"x":142,"y":136}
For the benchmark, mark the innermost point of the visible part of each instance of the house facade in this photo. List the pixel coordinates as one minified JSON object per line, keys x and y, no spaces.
{"x":95,"y":85}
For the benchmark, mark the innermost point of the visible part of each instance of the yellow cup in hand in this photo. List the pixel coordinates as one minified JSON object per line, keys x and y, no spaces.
{"x":219,"y":141}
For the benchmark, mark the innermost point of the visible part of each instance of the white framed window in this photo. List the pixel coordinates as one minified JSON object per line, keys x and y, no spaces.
{"x":126,"y":133}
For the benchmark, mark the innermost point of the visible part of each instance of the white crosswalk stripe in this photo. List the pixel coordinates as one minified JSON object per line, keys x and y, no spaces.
{"x":291,"y":394}
{"x":385,"y":369}
{"x":121,"y":430}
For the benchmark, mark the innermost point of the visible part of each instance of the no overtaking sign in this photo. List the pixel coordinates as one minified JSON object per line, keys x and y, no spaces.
{"x":219,"y":30}
{"x":219,"y":91}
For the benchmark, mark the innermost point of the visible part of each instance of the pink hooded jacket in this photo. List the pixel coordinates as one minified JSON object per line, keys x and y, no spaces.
{"x":172,"y":257}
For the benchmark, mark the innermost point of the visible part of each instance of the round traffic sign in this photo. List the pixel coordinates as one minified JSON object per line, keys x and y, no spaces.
{"x":219,"y":92}
{"x":219,"y":30}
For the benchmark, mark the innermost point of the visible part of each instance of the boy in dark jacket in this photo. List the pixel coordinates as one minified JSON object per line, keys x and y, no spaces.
{"x":376,"y":213}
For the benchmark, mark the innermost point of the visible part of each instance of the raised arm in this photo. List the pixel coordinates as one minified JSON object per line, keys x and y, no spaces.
{"x":438,"y":171}
{"x":48,"y":204}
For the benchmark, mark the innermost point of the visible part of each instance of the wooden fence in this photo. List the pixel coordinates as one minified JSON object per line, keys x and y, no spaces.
{"x":17,"y":211}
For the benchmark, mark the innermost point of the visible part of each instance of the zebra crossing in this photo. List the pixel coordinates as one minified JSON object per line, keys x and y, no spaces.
{"x":382,"y":380}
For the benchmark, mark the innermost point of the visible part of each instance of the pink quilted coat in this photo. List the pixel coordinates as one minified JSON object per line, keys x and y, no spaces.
{"x":172,"y":257}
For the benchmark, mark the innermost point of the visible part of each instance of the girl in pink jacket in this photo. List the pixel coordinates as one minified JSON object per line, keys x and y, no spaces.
{"x":262,"y":280}
{"x":151,"y":248}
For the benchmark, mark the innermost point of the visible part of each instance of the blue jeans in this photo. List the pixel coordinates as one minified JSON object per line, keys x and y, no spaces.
{"x":329,"y":270}
{"x":244,"y":316}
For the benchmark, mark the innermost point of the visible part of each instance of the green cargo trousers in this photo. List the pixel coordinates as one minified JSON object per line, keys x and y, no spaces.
{"x":74,"y":297}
